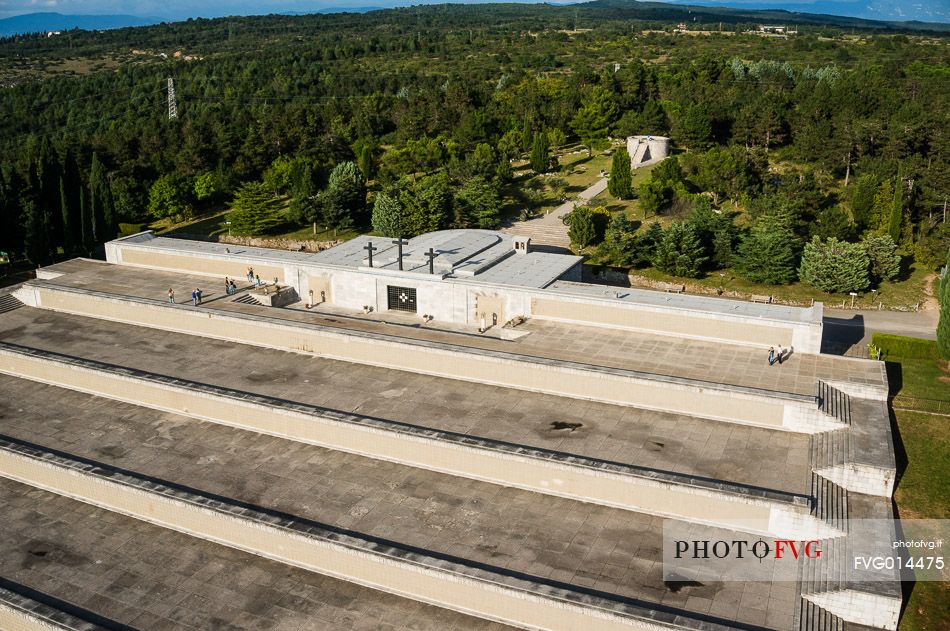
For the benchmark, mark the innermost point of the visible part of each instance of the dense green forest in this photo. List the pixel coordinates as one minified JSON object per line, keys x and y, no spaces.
{"x":793,"y":154}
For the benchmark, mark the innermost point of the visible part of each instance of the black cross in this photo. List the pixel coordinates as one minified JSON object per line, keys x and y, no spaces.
{"x":370,"y":249}
{"x":431,"y":254}
{"x":400,"y":242}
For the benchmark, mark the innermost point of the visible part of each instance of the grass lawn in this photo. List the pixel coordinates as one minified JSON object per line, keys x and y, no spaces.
{"x":630,"y":206}
{"x":577,"y":168}
{"x":923,"y":493}
{"x":895,"y":295}
{"x":216,"y":224}
{"x":923,"y":447}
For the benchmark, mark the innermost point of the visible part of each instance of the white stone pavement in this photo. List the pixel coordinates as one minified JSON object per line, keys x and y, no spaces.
{"x":549,"y":229}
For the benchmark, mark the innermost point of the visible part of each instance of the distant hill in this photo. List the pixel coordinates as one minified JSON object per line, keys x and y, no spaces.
{"x":886,"y":10}
{"x":45,"y":22}
{"x":690,"y":11}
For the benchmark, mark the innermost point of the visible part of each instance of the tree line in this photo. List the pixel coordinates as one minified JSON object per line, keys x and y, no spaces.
{"x":430,"y":99}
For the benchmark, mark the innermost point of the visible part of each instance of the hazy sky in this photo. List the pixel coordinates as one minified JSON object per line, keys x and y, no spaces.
{"x":179,"y":9}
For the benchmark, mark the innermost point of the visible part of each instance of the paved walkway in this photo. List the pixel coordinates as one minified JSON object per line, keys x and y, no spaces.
{"x":549,"y":229}
{"x":853,"y":328}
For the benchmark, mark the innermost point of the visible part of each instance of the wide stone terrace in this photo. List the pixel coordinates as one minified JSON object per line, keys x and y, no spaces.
{"x":646,"y":438}
{"x":146,"y":577}
{"x":608,"y":550}
{"x":664,"y":355}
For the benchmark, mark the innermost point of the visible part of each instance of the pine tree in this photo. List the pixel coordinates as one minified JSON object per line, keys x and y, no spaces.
{"x":620,"y":183}
{"x":580,"y":226}
{"x":344,"y":200}
{"x":479,"y":203}
{"x":767,"y":253}
{"x":254,"y":210}
{"x":388,"y":216}
{"x":427,"y":204}
{"x":834,"y":266}
{"x":882,"y":252}
{"x":648,"y":242}
{"x":539,"y":153}
{"x":621,"y":242}
{"x":680,"y":252}
{"x":593,"y":120}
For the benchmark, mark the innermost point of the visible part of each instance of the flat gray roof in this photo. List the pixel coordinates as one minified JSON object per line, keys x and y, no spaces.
{"x":460,"y":254}
{"x":687,"y":301}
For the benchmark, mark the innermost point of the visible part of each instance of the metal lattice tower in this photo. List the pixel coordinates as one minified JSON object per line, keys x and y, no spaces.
{"x":172,"y":105}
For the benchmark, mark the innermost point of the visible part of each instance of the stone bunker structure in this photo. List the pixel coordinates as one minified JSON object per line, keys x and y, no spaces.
{"x":334,"y":459}
{"x":647,"y":150}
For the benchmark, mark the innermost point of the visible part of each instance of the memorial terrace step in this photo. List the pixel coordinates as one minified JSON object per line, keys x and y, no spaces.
{"x":482,"y":589}
{"x":689,"y":446}
{"x":647,"y":350}
{"x":629,"y":487}
{"x":84,"y":568}
{"x":22,"y":608}
{"x":707,"y":399}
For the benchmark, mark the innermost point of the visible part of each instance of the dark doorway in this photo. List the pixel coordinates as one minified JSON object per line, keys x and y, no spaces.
{"x":401,"y":298}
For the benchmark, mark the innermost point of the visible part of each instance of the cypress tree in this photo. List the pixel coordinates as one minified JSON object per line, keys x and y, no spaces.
{"x":36,"y":244}
{"x":46,"y":194}
{"x":620,"y":184}
{"x":896,"y":219}
{"x":70,"y":192}
{"x":100,"y":202}
{"x":943,"y":325}
{"x":11,"y":224}
{"x":539,"y":153}
{"x":526,"y":135}
{"x":68,"y":245}
{"x":87,"y":226}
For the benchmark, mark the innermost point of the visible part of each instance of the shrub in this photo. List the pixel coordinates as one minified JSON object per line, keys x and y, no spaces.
{"x":898,"y":346}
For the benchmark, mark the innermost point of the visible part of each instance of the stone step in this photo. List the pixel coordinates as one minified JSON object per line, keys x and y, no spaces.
{"x":834,"y":402}
{"x":24,"y":608}
{"x":9,"y":302}
{"x":830,"y":502}
{"x":814,"y":618}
